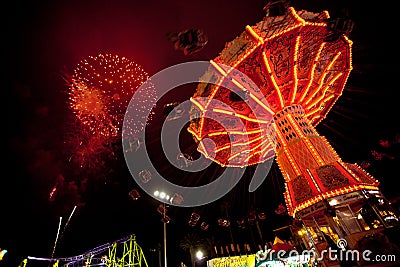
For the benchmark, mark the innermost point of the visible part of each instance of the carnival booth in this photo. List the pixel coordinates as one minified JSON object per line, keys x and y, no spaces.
{"x":280,"y":254}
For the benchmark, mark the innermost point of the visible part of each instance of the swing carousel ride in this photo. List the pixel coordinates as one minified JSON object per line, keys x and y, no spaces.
{"x":298,"y":62}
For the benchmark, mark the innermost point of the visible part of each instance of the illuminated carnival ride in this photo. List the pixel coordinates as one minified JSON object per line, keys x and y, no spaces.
{"x":284,"y":76}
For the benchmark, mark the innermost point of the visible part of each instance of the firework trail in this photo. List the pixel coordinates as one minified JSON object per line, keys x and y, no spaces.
{"x":55,"y":242}
{"x":66,"y":224}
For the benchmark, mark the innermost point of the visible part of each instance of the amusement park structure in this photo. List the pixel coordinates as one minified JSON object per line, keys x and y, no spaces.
{"x":122,"y":252}
{"x":284,"y":75}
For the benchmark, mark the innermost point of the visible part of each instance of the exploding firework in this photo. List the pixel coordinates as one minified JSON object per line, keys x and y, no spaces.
{"x":100,"y":90}
{"x":84,"y":150}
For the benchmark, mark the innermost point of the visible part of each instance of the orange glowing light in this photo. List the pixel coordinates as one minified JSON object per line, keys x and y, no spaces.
{"x":298,"y":67}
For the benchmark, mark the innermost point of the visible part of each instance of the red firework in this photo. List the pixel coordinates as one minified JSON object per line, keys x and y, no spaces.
{"x":100,"y":90}
{"x":85,"y":150}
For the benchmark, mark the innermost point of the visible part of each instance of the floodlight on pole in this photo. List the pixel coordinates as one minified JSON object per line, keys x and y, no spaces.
{"x":162,"y":195}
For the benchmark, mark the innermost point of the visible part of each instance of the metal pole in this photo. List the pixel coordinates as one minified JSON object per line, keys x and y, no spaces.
{"x":165,"y":240}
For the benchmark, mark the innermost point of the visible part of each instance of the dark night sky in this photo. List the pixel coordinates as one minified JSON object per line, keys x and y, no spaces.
{"x":43,"y":39}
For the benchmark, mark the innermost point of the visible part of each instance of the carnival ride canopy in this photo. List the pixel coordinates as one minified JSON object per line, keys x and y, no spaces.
{"x":281,"y":61}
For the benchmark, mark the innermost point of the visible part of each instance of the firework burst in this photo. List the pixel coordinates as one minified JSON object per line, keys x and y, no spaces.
{"x":85,"y":151}
{"x":100,"y":90}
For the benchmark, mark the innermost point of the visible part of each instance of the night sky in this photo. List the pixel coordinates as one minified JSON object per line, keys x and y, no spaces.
{"x":45,"y":39}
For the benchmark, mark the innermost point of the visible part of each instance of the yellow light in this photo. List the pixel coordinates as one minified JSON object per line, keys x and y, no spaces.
{"x":300,"y":232}
{"x":320,"y":82}
{"x":296,"y":49}
{"x":236,"y":132}
{"x":194,"y":101}
{"x":312,"y":72}
{"x":276,"y":87}
{"x":254,"y":34}
{"x":324,"y":92}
